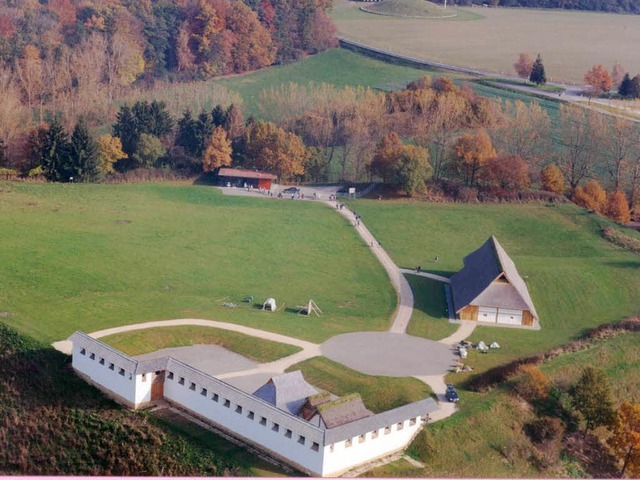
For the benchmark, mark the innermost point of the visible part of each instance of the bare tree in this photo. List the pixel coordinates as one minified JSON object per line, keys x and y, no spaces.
{"x":579,"y":133}
{"x":620,"y":144}
{"x":523,"y":132}
{"x":447,"y":118}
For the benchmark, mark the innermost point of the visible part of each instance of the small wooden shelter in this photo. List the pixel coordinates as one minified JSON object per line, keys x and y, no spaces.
{"x":309,"y":308}
{"x":241,"y":178}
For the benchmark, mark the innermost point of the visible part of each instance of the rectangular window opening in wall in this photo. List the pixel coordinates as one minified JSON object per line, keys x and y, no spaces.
{"x":181,"y":381}
{"x":301,"y":439}
{"x":227,"y":403}
{"x":92,"y":356}
{"x":412,"y":422}
{"x":203,"y":392}
{"x":251,"y":415}
{"x":215,"y":397}
{"x":121,"y":371}
{"x":362,"y":438}
{"x":238,"y":409}
{"x":288,"y":433}
{"x":347,"y":443}
{"x":192,"y":386}
{"x":130,"y":376}
{"x":374,"y":434}
{"x":83,"y":351}
{"x":170,"y":376}
{"x":263,"y":421}
{"x":101,"y":362}
{"x":315,"y":447}
{"x":276,"y":427}
{"x":387,"y":430}
{"x":400,"y":426}
{"x":144,"y":377}
{"x":112,"y":366}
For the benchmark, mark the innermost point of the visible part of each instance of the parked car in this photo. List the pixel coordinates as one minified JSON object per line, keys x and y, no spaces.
{"x":291,"y":191}
{"x":451,"y":395}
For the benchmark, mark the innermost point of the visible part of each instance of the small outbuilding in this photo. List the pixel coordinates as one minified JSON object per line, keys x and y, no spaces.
{"x":241,"y":178}
{"x":490,"y":289}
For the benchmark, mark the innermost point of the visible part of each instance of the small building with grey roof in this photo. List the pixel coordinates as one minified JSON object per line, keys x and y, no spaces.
{"x":489,"y":289}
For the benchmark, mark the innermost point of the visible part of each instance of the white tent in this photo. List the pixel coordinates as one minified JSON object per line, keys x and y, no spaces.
{"x":269,"y":304}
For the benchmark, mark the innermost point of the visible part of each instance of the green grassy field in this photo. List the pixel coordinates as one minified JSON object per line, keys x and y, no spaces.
{"x":379,"y":394}
{"x":576,"y":279}
{"x":95,"y":256}
{"x":146,"y":341}
{"x":429,"y":318}
{"x":500,"y":36}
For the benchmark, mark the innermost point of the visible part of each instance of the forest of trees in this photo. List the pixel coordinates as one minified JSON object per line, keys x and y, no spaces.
{"x":615,"y":6}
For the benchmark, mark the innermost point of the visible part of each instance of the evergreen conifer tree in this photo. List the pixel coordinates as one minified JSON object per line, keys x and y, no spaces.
{"x":51,"y":147}
{"x":625,"y":86}
{"x":84,"y":154}
{"x":538,"y":75}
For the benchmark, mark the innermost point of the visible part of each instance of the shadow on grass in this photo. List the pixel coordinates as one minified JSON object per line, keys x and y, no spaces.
{"x":626,"y":264}
{"x":429,"y":296}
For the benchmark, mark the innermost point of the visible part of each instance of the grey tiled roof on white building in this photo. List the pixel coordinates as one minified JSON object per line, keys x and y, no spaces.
{"x":472,"y":284}
{"x":380,"y":420}
{"x":287,"y":391}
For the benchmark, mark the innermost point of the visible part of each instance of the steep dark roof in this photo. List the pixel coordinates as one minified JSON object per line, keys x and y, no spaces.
{"x":483,"y":266}
{"x":287,"y":391}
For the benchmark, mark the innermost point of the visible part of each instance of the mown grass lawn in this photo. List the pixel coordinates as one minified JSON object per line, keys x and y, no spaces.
{"x":576,"y":278}
{"x":145,"y":341}
{"x":379,"y":394}
{"x":429,"y":318}
{"x":95,"y":256}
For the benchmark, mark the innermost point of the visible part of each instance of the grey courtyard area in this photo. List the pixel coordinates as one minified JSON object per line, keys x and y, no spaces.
{"x":390,"y":354}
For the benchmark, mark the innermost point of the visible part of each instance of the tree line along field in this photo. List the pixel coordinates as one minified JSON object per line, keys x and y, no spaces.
{"x":570,"y":42}
{"x":94,"y":256}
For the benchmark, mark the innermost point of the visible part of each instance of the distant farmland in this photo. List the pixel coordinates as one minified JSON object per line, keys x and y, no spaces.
{"x":570,"y":42}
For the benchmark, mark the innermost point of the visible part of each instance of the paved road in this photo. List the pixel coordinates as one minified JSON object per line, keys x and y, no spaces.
{"x":390,"y":354}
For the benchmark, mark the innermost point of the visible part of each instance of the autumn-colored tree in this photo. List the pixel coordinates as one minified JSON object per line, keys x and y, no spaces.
{"x":14,"y":116}
{"x":423,"y":83}
{"x":269,"y":147}
{"x":387,"y":156}
{"x":124,"y":62}
{"x":252,"y":44}
{"x":413,"y":169}
{"x":599,"y":79}
{"x":592,"y":196}
{"x":618,"y":207}
{"x":552,"y":179}
{"x":523,"y":65}
{"x":320,"y":32}
{"x":234,"y":122}
{"x":444,"y":85}
{"x":471,"y":153}
{"x":625,"y":439}
{"x":531,"y":384}
{"x":509,"y":172}
{"x":184,"y":56}
{"x":592,"y":399}
{"x":64,"y":10}
{"x":617,"y":74}
{"x":218,"y":151}
{"x":110,"y":151}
